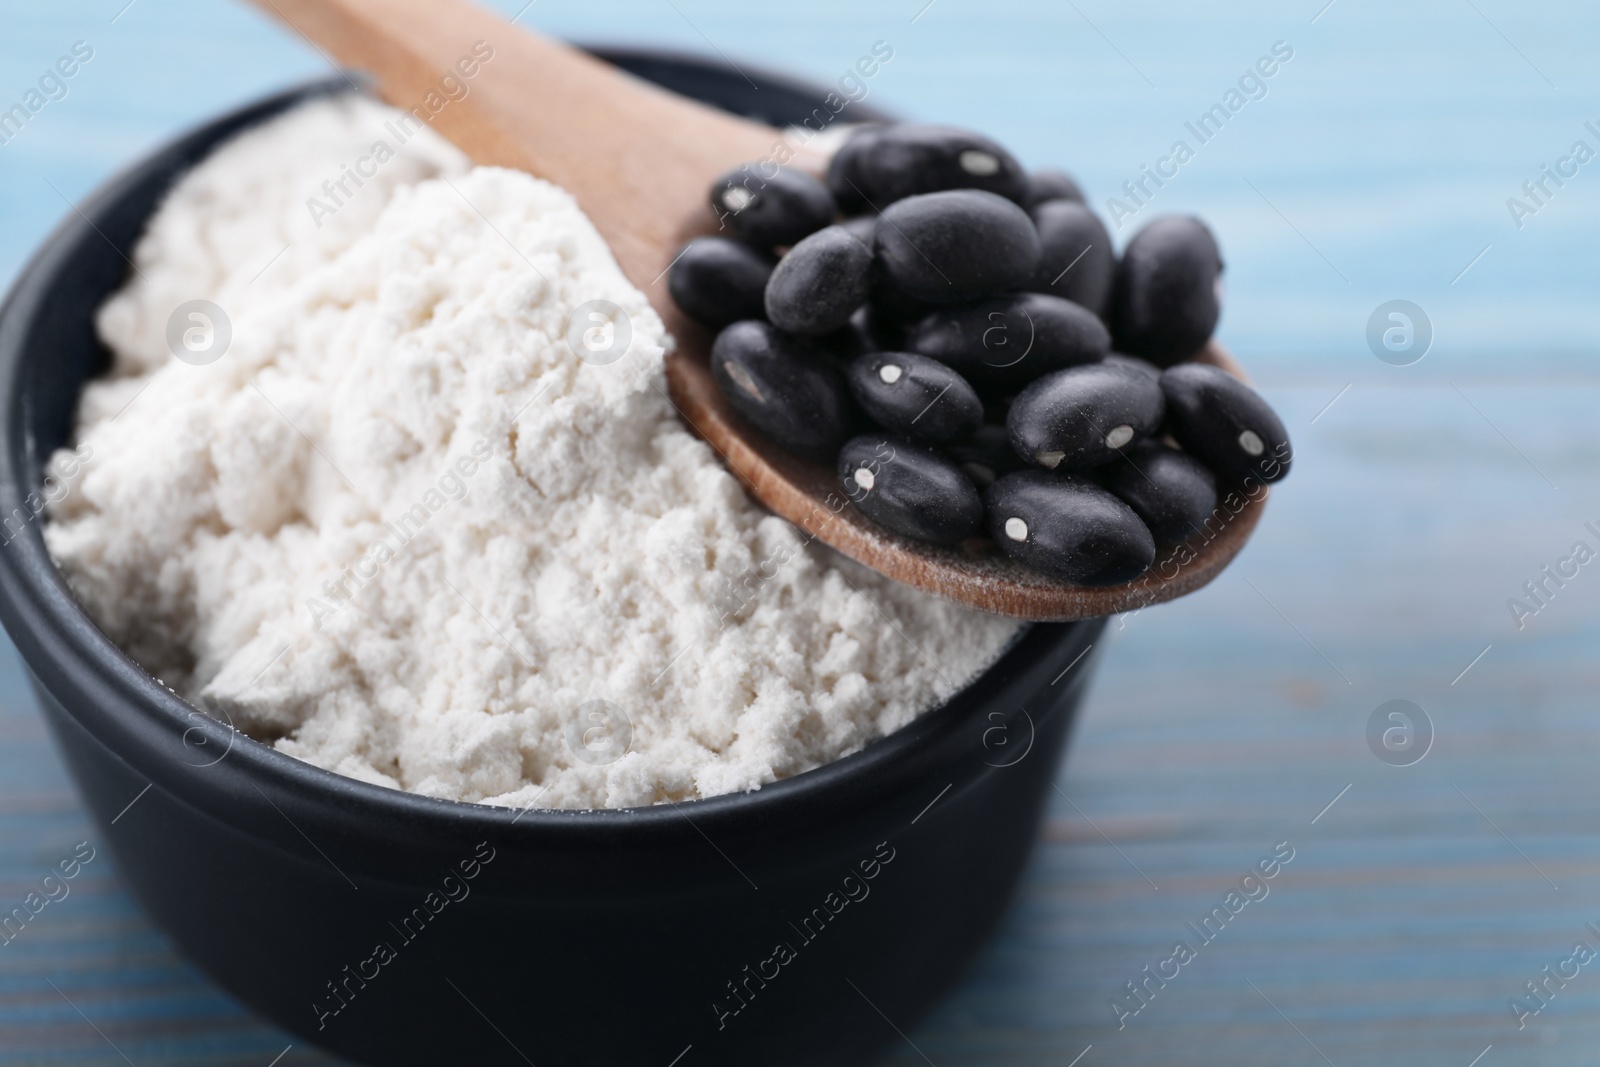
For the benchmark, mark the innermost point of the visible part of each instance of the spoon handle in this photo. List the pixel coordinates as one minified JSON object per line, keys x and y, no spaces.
{"x":637,"y":159}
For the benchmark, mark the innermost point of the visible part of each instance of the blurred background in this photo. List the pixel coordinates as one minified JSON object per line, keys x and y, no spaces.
{"x":1387,"y":160}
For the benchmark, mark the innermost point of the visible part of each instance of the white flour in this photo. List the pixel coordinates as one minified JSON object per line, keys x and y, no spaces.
{"x":345,"y":538}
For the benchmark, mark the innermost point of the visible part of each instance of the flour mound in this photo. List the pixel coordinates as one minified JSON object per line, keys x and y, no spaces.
{"x":402,"y":532}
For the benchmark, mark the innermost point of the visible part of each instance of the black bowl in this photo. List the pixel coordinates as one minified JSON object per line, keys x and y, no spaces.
{"x":800,"y":924}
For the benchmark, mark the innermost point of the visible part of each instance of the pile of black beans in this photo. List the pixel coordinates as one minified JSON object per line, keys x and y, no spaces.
{"x":960,"y":338}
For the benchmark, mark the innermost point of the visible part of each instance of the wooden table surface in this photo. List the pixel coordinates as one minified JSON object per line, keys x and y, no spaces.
{"x":1377,"y":165}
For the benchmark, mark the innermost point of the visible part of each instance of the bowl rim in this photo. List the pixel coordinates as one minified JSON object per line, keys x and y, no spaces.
{"x":52,"y":631}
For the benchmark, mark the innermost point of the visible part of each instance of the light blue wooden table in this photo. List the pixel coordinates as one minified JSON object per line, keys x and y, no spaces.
{"x":1377,"y":166}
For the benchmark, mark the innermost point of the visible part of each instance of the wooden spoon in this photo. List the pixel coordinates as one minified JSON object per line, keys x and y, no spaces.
{"x":640,"y":162}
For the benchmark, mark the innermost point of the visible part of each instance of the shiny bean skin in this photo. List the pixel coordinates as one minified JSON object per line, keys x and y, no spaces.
{"x":716,"y":281}
{"x":1076,"y":260}
{"x":911,"y":159}
{"x":1002,"y":344}
{"x":1165,"y":301}
{"x":1066,"y":526}
{"x":1084,"y":417}
{"x":1225,"y":424}
{"x":910,"y":488}
{"x":1173,"y":492}
{"x":820,"y":283}
{"x":771,"y":211}
{"x":913,"y":395}
{"x":956,"y":246}
{"x":783,"y":386}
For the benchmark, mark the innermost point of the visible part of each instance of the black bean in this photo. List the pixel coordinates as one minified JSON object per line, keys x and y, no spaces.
{"x":1067,"y":527}
{"x":956,"y":246}
{"x":1165,"y":301}
{"x":1173,"y":492}
{"x":910,"y":159}
{"x":914,"y":395}
{"x":910,"y":488}
{"x":716,"y":281}
{"x":821,"y":282}
{"x":862,"y":227}
{"x":783,"y":386}
{"x":844,"y":169}
{"x":1225,"y":424}
{"x":986,"y":455}
{"x":771,"y":211}
{"x":1001,"y":345}
{"x":1084,"y":416}
{"x":1076,"y":260}
{"x":1045,"y":185}
{"x":1142,"y":365}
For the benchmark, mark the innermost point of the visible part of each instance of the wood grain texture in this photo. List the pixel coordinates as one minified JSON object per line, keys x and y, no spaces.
{"x":640,"y":162}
